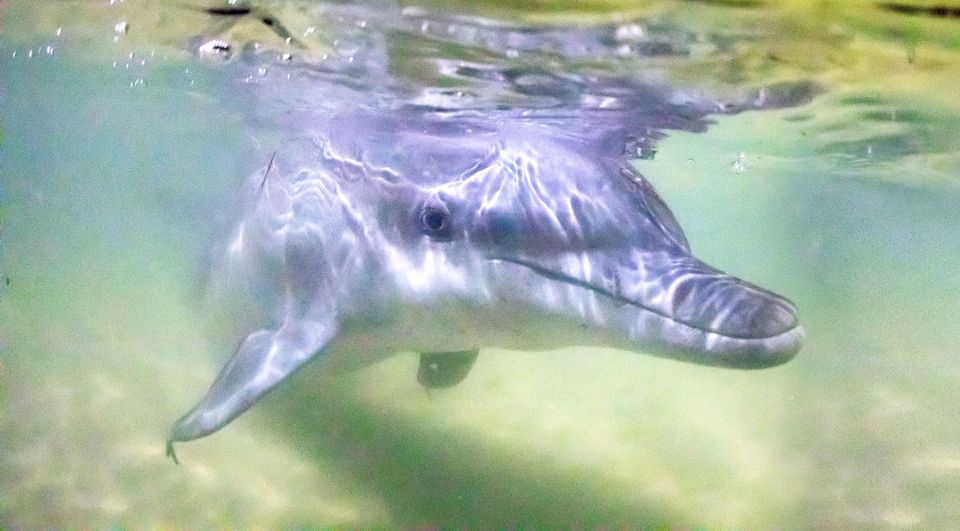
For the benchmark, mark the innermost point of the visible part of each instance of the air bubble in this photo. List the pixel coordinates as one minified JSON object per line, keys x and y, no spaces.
{"x":630,"y":33}
{"x":214,"y":47}
{"x":740,"y":165}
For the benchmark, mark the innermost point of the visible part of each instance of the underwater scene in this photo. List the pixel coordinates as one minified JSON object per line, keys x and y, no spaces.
{"x":655,"y":263}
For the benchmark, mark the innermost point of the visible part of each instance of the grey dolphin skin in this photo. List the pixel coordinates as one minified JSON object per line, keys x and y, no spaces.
{"x":385,"y":225}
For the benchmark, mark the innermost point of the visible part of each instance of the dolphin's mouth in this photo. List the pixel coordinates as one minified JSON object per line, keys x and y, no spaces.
{"x":735,"y":322}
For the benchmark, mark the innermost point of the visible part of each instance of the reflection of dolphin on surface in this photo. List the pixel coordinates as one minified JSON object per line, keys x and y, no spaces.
{"x":408,"y":227}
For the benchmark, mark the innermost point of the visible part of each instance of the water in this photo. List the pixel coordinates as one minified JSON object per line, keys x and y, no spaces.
{"x":120,"y":173}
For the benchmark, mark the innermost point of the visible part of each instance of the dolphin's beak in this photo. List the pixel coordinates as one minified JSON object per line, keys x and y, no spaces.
{"x":727,"y":321}
{"x":671,"y":304}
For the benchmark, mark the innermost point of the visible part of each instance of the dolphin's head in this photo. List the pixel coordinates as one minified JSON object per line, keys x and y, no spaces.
{"x":521,"y":220}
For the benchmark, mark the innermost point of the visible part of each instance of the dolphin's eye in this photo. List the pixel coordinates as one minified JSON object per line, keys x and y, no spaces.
{"x":435,"y":223}
{"x":434,"y":219}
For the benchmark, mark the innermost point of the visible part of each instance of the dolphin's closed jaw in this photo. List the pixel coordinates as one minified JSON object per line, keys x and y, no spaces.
{"x":768,"y":318}
{"x":728,"y":306}
{"x":754,"y":328}
{"x":746,"y":326}
{"x":672,"y":304}
{"x":695,"y":312}
{"x":739,"y":326}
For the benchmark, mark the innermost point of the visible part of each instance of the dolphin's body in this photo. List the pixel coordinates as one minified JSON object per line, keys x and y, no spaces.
{"x":408,"y":227}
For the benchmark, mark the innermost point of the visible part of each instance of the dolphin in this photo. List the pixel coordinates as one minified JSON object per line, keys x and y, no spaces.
{"x":392,"y":221}
{"x":441,"y":235}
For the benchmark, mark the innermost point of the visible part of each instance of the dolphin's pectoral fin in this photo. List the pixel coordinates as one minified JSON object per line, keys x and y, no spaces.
{"x":264,"y":359}
{"x":439,"y":370}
